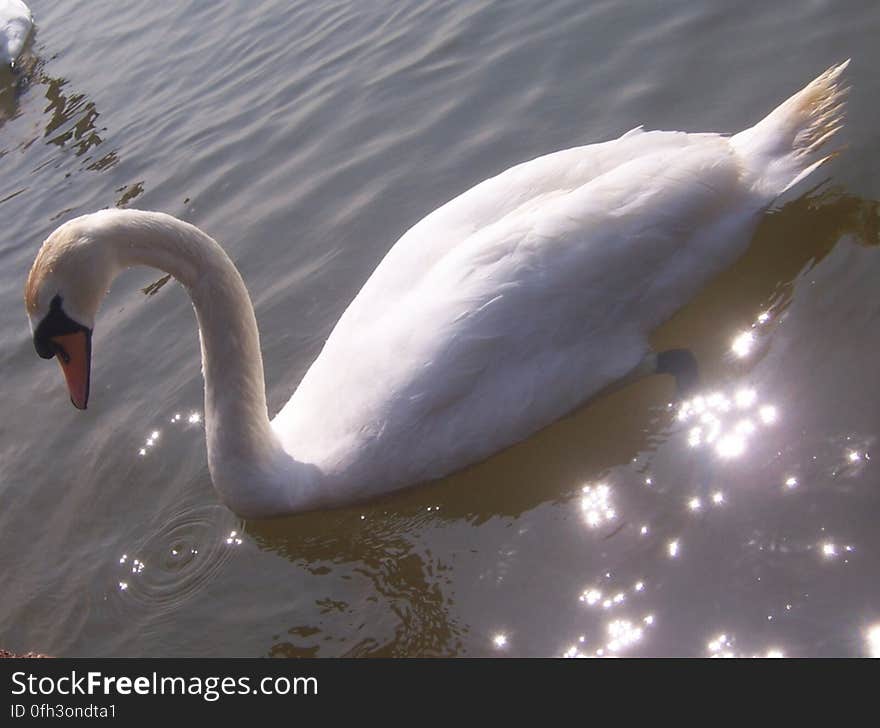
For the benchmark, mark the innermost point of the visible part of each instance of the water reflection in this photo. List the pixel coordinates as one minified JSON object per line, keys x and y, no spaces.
{"x":71,"y":122}
{"x":10,"y":88}
{"x":372,"y":574}
{"x":14,"y":82}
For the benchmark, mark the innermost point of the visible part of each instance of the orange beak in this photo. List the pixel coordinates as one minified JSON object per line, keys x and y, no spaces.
{"x":74,"y":354}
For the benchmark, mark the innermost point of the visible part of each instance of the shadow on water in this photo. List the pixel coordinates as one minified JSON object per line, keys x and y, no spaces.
{"x":385,"y":541}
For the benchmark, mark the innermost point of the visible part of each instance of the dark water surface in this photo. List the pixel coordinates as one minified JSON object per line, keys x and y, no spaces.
{"x":307,"y":137}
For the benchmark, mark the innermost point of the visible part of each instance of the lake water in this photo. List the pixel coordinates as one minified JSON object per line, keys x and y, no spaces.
{"x":307,"y":137}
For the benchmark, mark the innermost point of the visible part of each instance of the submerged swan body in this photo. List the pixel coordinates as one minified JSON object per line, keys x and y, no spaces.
{"x":495,"y":315}
{"x":15,"y":26}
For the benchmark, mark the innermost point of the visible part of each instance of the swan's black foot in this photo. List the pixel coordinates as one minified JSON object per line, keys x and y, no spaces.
{"x":682,"y":365}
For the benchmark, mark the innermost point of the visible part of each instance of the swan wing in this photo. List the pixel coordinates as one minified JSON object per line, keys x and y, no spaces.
{"x":525,"y":186}
{"x":499,"y":313}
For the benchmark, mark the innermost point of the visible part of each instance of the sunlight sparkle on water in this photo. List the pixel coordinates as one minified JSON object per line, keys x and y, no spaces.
{"x":713,"y":425}
{"x":743,"y":343}
{"x":672,"y":548}
{"x":596,"y":505}
{"x":768,"y":414}
{"x":791,"y":482}
{"x":745,"y":398}
{"x":622,"y":634}
{"x":194,"y":418}
{"x":722,"y":646}
{"x":731,"y":446}
{"x":745,"y":427}
{"x":500,"y":640}
{"x":718,"y":402}
{"x":150,"y":442}
{"x":718,"y":498}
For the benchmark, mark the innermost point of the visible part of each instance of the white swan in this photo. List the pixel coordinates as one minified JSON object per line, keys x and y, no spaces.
{"x":15,"y":25}
{"x":495,"y":315}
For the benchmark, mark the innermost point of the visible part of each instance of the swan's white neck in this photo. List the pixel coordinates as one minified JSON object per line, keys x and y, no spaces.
{"x":249,"y":467}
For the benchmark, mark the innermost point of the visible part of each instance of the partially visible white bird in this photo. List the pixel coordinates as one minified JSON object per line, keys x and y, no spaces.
{"x":16,"y":22}
{"x":495,"y":315}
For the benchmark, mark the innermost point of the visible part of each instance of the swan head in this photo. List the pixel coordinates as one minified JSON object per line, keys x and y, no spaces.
{"x":64,"y":289}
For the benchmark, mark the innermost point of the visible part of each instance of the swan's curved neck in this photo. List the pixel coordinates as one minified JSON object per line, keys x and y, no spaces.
{"x":248,"y":465}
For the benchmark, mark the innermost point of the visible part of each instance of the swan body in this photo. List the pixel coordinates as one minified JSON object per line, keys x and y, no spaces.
{"x":15,"y":26}
{"x":495,"y":315}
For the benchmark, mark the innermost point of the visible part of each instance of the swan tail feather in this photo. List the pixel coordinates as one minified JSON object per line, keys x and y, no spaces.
{"x":790,"y":142}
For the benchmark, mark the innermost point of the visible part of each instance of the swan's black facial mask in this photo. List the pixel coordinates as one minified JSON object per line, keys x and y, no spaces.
{"x":59,"y":335}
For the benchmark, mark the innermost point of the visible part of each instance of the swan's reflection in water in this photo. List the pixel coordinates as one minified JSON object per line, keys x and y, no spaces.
{"x":375,"y":588}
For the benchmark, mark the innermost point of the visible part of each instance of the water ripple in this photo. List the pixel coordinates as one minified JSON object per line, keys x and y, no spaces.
{"x":171,"y":565}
